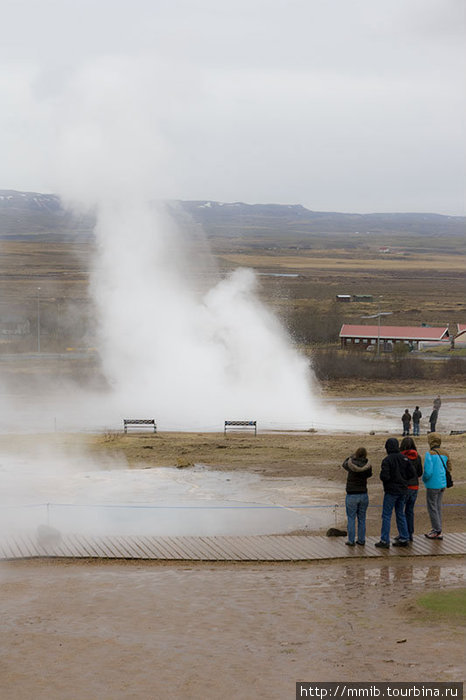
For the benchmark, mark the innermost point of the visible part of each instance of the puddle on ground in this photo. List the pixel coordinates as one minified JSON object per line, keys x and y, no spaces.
{"x":414,"y":575}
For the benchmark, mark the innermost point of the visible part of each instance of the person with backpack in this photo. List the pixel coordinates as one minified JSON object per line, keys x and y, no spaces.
{"x":417,"y":415}
{"x":436,"y":462}
{"x":359,"y":471}
{"x":396,"y":472}
{"x":409,"y":450}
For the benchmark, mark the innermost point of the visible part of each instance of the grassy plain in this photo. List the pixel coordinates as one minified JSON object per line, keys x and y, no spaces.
{"x":427,"y":289}
{"x":421,"y":280}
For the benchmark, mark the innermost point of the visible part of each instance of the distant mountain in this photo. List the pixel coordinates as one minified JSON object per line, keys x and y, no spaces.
{"x":11,"y":200}
{"x":24,"y":214}
{"x":219,"y":217}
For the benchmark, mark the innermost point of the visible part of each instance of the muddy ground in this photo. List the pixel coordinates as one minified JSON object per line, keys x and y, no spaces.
{"x":95,"y":631}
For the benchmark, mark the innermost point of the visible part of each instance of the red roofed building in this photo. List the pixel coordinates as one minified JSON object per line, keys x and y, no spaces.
{"x":461,"y":331}
{"x":365,"y":336}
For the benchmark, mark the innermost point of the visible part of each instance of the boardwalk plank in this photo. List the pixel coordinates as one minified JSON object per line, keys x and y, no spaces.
{"x":164,"y":544}
{"x":237,"y":546}
{"x":118,"y":551}
{"x":101,"y":544}
{"x":257,"y":544}
{"x":242,"y":547}
{"x":276,"y":547}
{"x":220,"y":545}
{"x":175,"y":546}
{"x":295,"y":548}
{"x":206,"y":552}
{"x":130,"y":549}
{"x":27,"y":546}
{"x":194,"y":547}
{"x":157,"y":546}
{"x":146,"y":548}
{"x":311,"y":545}
{"x":88,"y":546}
{"x":226,"y":552}
{"x":73,"y":545}
{"x":222,"y":548}
{"x":189,"y":548}
{"x":323,"y":548}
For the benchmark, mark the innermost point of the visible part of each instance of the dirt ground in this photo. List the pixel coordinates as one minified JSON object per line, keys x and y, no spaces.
{"x":94,"y":631}
{"x":380,"y":387}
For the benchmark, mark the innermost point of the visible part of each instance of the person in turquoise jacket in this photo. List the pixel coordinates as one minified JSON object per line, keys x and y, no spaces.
{"x":435,"y":481}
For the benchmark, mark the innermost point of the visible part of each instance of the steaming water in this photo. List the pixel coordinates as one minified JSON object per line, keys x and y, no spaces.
{"x":160,"y":502}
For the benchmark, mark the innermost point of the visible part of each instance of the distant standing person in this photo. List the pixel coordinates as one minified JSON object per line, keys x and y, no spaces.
{"x":409,"y":450}
{"x":406,"y":420}
{"x":395,"y":474}
{"x":436,"y":462}
{"x":433,"y":420}
{"x":359,"y":470}
{"x":417,"y":415}
{"x":437,"y":402}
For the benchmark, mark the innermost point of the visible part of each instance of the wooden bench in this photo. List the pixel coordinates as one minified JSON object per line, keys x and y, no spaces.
{"x":240,"y":424}
{"x":137,"y":422}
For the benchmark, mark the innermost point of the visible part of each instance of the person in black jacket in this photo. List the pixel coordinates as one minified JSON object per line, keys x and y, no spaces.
{"x":359,"y":470}
{"x":395,"y":474}
{"x":433,"y":420}
{"x":406,"y":420}
{"x":417,"y":415}
{"x":408,"y":449}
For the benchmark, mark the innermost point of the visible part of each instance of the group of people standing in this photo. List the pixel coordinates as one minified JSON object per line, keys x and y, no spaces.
{"x":406,"y":419}
{"x":400,"y":472}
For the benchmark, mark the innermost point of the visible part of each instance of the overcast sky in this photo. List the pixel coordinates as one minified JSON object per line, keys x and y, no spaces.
{"x":342,"y":105}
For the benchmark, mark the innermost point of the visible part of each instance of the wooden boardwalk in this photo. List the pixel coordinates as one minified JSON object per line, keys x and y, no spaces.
{"x":220,"y":548}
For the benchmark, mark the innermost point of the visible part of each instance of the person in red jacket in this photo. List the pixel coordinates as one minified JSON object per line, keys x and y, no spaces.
{"x":409,"y":450}
{"x":396,"y":470}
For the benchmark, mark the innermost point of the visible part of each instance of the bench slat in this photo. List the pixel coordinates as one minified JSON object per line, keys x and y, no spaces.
{"x":240,"y":423}
{"x":139,"y":421}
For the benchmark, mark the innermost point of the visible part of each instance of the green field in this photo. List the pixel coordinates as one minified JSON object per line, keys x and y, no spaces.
{"x":448,"y":604}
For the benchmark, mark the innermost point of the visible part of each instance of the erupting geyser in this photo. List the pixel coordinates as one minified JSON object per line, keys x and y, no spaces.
{"x":172,"y":349}
{"x":193,"y":358}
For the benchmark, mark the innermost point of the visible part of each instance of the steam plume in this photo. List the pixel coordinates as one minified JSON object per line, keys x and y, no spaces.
{"x":190,"y":359}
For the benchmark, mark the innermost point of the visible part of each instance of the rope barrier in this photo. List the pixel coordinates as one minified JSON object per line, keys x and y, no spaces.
{"x":203,"y":507}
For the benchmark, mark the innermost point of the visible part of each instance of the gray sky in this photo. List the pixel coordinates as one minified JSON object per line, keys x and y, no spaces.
{"x":343,"y":105}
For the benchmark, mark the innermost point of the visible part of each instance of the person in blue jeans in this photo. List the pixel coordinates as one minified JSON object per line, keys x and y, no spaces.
{"x":408,"y":449}
{"x":359,"y":471}
{"x":396,"y":472}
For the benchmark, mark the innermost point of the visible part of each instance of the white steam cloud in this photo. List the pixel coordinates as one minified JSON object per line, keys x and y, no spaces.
{"x":189,"y":358}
